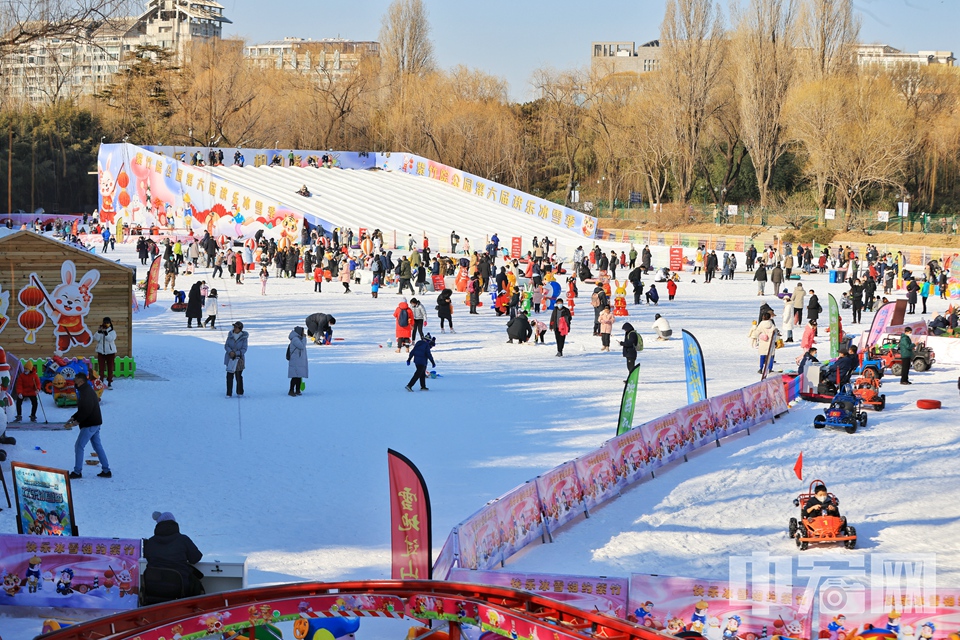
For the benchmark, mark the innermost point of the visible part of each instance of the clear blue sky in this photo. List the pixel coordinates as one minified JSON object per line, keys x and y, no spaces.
{"x":512,"y":38}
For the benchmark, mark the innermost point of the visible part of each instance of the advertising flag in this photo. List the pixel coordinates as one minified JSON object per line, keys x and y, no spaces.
{"x":628,"y":402}
{"x":696,"y":372}
{"x":410,"y":522}
{"x":798,"y":467}
{"x":834,"y":327}
{"x":881,"y":320}
{"x":153,"y":283}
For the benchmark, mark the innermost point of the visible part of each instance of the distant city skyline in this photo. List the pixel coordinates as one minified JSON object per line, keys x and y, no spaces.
{"x":512,"y":39}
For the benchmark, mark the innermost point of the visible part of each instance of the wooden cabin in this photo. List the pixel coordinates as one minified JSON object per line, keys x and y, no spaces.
{"x":53,"y":298}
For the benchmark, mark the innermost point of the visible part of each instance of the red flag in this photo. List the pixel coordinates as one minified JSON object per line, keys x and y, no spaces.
{"x":798,"y":466}
{"x":411,"y":539}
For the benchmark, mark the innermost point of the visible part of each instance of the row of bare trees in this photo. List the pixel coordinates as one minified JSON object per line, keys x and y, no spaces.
{"x":762,"y":104}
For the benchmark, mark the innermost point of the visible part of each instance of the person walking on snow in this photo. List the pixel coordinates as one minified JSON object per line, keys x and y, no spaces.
{"x":445,"y":309}
{"x":421,"y":355}
{"x":210,"y":309}
{"x":560,"y":321}
{"x":630,"y":345}
{"x":89,"y":419}
{"x":419,"y":318}
{"x":404,"y":324}
{"x":234,"y":358}
{"x":606,"y":327}
{"x":27,"y":387}
{"x":106,"y":341}
{"x":297,"y":363}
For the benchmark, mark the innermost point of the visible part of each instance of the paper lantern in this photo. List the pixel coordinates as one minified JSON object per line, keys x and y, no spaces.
{"x":124,"y":199}
{"x":123,"y":180}
{"x":31,"y":321}
{"x":31,"y":296}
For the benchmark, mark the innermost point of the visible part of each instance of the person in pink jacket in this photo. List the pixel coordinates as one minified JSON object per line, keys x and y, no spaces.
{"x":809,"y":335}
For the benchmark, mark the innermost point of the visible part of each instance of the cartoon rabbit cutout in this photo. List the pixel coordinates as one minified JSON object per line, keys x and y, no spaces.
{"x":69,"y":305}
{"x":108,"y":187}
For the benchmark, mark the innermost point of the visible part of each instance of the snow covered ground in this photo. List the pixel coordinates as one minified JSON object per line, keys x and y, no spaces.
{"x":298,"y":485}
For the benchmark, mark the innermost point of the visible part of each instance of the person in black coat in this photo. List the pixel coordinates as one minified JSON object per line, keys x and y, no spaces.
{"x":856,"y":295}
{"x":820,"y":504}
{"x":170,"y":549}
{"x":195,"y":305}
{"x":710,"y":265}
{"x":319,"y":326}
{"x":599,"y":296}
{"x":813,"y":306}
{"x":519,"y":328}
{"x":629,"y":344}
{"x":445,"y":309}
{"x":560,"y":312}
{"x":89,"y":419}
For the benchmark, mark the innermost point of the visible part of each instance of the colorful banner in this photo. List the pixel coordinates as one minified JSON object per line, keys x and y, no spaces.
{"x":695,"y":368}
{"x":410,"y":521}
{"x":153,"y":283}
{"x":777,"y":392}
{"x":561,"y":496}
{"x":628,"y":402}
{"x":697,"y":423}
{"x":630,"y":457}
{"x":516,"y":249}
{"x":443,"y":565}
{"x":756,"y":400}
{"x":518,"y":514}
{"x":138,"y":187}
{"x":503,"y":622}
{"x":729,"y":412}
{"x":600,"y":594}
{"x":75,"y":573}
{"x":881,"y":320}
{"x":44,"y":501}
{"x":904,"y":610}
{"x":834,"y":311}
{"x":718,"y":610}
{"x":664,"y":439}
{"x":676,"y":259}
{"x":479,"y":540}
{"x":597,"y":477}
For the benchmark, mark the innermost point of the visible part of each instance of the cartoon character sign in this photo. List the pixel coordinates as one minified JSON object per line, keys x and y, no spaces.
{"x":68,"y":305}
{"x":107,"y":188}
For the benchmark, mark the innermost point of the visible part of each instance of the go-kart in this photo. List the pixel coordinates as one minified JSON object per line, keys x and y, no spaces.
{"x":845,"y":411}
{"x":867,"y":388}
{"x":821,"y":529}
{"x":923,"y":356}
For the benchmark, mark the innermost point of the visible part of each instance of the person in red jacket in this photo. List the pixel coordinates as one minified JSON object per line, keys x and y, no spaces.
{"x":28,"y":385}
{"x":671,"y":288}
{"x":404,"y":316}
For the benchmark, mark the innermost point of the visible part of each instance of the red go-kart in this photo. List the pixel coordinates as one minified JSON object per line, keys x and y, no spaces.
{"x":821,"y":529}
{"x":868,"y":390}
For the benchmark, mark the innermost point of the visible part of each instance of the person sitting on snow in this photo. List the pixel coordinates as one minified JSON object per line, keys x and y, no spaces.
{"x":820,"y":504}
{"x":662,"y":327}
{"x":304,"y":192}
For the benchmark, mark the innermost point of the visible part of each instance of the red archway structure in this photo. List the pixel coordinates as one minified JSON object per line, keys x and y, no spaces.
{"x":497,"y":609}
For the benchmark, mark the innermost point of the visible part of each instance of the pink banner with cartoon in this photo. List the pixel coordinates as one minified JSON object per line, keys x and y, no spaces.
{"x":479,"y":539}
{"x":903,"y":617}
{"x":503,"y":622}
{"x":756,"y":402}
{"x":730,"y":412}
{"x":561,"y":496}
{"x":664,"y":438}
{"x":597,"y":477}
{"x":518,"y":514}
{"x":777,"y":394}
{"x":73,"y":573}
{"x":697,"y":423}
{"x":138,"y":187}
{"x":630,"y":457}
{"x":715,"y":609}
{"x":604,"y":595}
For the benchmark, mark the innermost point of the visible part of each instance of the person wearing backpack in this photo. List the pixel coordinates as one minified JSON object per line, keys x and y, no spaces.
{"x":560,"y":321}
{"x":598,"y":300}
{"x":404,"y":316}
{"x":405,"y":272}
{"x":473,"y":291}
{"x":297,"y":364}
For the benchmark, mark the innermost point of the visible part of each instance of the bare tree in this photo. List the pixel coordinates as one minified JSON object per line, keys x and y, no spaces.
{"x":765,"y":59}
{"x":26,"y":21}
{"x":692,"y":38}
{"x":561,"y":94}
{"x":405,"y":45}
{"x":829,"y":30}
{"x":723,"y":137}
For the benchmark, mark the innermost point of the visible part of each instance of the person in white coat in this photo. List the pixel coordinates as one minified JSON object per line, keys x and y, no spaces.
{"x":788,"y":317}
{"x":662,"y":327}
{"x":761,"y":335}
{"x":106,"y":346}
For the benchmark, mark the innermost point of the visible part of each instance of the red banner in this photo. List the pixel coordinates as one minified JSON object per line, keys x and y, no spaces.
{"x":438,"y":283}
{"x":153,"y":282}
{"x":676,"y":259}
{"x":515,"y":247}
{"x":410,"y":526}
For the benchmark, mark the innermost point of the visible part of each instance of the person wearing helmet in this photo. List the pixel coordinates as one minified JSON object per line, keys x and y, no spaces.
{"x":820,"y":504}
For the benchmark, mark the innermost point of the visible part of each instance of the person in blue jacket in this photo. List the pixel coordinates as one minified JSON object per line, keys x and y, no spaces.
{"x":420,"y":354}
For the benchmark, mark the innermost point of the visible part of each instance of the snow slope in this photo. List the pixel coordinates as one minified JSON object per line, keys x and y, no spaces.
{"x":398,"y":201}
{"x":298,"y":485}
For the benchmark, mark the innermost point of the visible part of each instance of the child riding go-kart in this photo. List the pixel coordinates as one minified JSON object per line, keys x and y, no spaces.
{"x":845,"y":411}
{"x":820,"y":521}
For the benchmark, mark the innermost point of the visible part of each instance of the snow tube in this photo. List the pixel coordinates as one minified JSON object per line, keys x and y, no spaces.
{"x":928,"y":404}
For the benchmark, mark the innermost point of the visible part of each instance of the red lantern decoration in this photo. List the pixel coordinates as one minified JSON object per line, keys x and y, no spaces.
{"x":124,"y":199}
{"x":31,"y":321}
{"x":30,"y":296}
{"x":123,"y":180}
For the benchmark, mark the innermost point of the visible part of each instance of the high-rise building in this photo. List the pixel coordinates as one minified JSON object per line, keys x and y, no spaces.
{"x":55,"y":68}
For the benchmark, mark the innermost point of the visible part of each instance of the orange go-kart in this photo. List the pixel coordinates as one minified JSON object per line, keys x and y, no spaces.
{"x":821,"y":529}
{"x":867,"y":388}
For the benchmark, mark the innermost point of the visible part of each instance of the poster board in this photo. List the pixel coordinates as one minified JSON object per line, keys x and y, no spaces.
{"x":44,"y":501}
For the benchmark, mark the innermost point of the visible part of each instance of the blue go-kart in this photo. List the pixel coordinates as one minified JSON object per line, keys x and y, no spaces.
{"x":845,"y":411}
